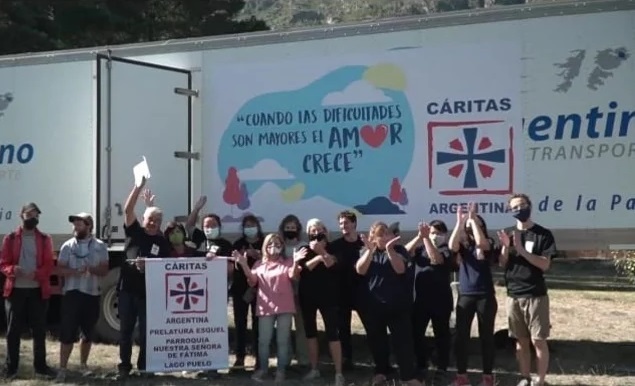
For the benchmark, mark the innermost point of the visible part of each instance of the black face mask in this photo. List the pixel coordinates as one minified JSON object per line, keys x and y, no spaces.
{"x":290,"y":235}
{"x":30,"y":223}
{"x":318,"y":237}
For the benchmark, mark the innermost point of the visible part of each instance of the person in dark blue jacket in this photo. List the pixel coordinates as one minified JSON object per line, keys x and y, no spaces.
{"x":386,"y":303}
{"x":475,"y":257}
{"x":432,"y":265}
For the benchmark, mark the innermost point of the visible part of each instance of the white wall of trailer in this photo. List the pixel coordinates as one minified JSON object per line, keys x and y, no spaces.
{"x":517,"y":60}
{"x":46,"y":142}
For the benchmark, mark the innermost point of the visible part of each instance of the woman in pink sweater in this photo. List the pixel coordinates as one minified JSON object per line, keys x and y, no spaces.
{"x":275,"y":305}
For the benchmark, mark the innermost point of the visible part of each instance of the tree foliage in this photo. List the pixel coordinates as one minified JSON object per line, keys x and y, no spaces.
{"x":625,"y":264}
{"x":38,"y":25}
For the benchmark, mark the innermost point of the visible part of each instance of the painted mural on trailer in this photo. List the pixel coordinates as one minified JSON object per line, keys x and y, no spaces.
{"x":372,"y":136}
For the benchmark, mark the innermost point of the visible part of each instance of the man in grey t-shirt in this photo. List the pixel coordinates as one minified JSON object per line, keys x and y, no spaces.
{"x":82,"y":261}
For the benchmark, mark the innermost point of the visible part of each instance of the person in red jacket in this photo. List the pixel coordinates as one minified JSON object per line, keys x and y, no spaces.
{"x":26,"y":259}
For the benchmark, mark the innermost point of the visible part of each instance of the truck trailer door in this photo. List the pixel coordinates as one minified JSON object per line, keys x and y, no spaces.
{"x":143,"y":110}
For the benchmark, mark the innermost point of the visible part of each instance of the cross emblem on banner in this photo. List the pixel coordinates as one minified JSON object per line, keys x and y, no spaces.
{"x":187,"y":293}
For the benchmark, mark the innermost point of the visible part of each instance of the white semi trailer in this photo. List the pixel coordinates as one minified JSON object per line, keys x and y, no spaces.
{"x":400,"y":120}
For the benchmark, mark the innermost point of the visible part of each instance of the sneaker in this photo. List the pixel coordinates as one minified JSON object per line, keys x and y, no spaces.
{"x":488,"y":380}
{"x":45,"y":373}
{"x":312,"y":374}
{"x":378,"y":380}
{"x":258,"y":376}
{"x":85,"y":371}
{"x":535,"y":381}
{"x":122,"y":376}
{"x":524,"y":382}
{"x":461,"y":380}
{"x":280,"y":376}
{"x":61,"y":376}
{"x":339,"y":380}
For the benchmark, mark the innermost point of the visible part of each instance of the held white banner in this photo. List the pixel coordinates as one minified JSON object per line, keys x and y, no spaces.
{"x":187,"y":314}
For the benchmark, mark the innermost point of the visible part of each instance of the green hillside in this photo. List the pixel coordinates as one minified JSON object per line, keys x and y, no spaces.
{"x":280,"y":14}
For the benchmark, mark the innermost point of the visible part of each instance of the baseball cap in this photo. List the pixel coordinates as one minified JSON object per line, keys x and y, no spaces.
{"x":31,"y":206}
{"x":86,"y":217}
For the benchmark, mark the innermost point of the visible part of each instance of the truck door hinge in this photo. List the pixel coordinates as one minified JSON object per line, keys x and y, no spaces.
{"x":186,"y":91}
{"x":187,"y":155}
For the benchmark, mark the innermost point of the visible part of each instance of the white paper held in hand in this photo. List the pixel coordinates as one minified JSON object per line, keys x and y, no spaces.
{"x":140,"y":171}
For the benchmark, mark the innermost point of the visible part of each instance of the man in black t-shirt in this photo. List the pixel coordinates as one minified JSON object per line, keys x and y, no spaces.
{"x":346,"y":250}
{"x":526,"y":253}
{"x":145,"y":242}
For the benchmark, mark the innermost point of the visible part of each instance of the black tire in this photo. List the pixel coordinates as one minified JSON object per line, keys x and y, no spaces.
{"x":107,"y":328}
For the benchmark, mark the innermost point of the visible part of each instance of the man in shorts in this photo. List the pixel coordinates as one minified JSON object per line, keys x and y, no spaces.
{"x":526,"y":253}
{"x":82,"y":261}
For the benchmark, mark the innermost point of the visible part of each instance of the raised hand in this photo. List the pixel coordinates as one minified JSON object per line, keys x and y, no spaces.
{"x":391,"y":243}
{"x":148,"y":197}
{"x":424,"y":230}
{"x":200,"y":203}
{"x":503,"y":238}
{"x":518,"y":243}
{"x":364,"y":239}
{"x":299,"y":254}
{"x":471,"y":211}
{"x":461,"y":216}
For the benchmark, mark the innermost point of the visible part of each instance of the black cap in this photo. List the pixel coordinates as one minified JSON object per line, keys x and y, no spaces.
{"x":31,"y":206}
{"x":394,"y":228}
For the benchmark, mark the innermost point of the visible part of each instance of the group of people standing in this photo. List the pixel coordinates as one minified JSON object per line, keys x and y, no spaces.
{"x":284,"y":279}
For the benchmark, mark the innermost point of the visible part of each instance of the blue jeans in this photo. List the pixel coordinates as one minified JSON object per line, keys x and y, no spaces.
{"x":282,"y":324}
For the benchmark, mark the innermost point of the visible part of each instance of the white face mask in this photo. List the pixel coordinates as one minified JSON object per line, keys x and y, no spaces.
{"x":273,"y":250}
{"x":437,"y":239}
{"x":211,"y":233}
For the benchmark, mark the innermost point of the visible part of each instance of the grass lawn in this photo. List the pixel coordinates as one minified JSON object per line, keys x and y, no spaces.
{"x":593,"y":318}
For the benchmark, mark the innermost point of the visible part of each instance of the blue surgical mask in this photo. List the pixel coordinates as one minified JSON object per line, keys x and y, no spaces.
{"x":522,"y":215}
{"x":251,"y":231}
{"x":211,"y":233}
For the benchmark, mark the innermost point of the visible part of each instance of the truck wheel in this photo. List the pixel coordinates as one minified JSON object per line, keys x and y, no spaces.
{"x":107,"y":328}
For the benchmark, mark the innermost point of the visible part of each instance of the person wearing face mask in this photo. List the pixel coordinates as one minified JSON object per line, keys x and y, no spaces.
{"x":175,"y":233}
{"x":476,"y":255}
{"x":272,"y":276}
{"x":526,"y":253}
{"x":290,"y":229}
{"x":386,"y":303}
{"x":433,"y":300}
{"x":26,"y":260}
{"x":319,"y":291}
{"x":244,"y":296}
{"x":209,"y":242}
{"x":82,"y":261}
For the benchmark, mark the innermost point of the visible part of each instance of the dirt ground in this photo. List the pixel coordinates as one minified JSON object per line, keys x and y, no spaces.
{"x":593,"y":339}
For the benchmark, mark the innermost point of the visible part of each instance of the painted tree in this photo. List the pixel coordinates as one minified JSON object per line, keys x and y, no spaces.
{"x":244,"y":197}
{"x":231,"y":194}
{"x":395,"y":190}
{"x":403,"y":200}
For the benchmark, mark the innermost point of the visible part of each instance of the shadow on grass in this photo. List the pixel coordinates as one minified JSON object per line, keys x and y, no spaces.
{"x":568,"y":358}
